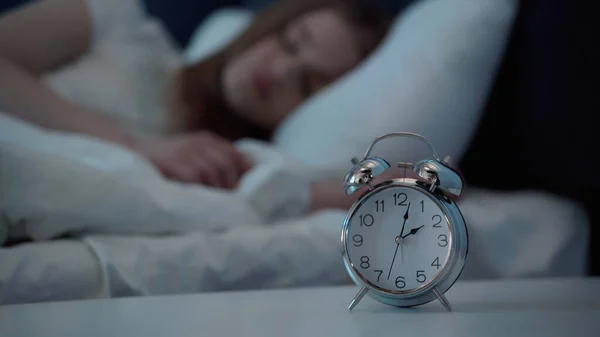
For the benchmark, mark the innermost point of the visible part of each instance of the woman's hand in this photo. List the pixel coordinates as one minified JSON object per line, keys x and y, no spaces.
{"x":199,"y":157}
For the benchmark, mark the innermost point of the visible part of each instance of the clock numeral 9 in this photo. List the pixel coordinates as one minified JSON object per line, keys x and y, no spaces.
{"x":439,"y":220}
{"x":400,"y":282}
{"x":358,"y":240}
{"x":421,"y":278}
{"x":400,"y":199}
{"x":364,"y":262}
{"x":443,"y":239}
{"x":367,"y":220}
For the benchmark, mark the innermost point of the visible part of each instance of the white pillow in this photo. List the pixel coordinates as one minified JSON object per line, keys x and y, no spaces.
{"x":213,"y":33}
{"x":431,"y":76}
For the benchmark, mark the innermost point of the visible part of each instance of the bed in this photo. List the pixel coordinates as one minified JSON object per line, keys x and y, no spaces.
{"x":101,"y":222}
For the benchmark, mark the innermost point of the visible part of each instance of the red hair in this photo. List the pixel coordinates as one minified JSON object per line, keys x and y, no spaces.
{"x":200,"y":83}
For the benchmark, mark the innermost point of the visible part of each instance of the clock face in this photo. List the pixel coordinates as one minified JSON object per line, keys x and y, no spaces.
{"x":398,"y":239}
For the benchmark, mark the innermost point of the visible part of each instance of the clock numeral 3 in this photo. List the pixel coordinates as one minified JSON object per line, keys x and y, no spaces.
{"x":421,"y":278}
{"x":367,"y":220}
{"x":358,"y":240}
{"x":436,"y":263}
{"x":400,"y":282}
{"x":364,"y":262}
{"x":400,"y":199}
{"x":443,"y":240}
{"x":439,"y":220}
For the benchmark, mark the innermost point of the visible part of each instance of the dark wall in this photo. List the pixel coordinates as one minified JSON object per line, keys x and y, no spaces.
{"x":7,"y":4}
{"x":541,"y":126}
{"x":181,"y":17}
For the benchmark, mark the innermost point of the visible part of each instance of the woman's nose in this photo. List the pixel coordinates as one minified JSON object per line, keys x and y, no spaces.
{"x":285,"y":68}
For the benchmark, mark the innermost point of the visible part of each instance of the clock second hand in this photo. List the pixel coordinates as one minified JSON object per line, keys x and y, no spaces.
{"x":394,"y":259}
{"x":402,"y":254}
{"x":398,"y":240}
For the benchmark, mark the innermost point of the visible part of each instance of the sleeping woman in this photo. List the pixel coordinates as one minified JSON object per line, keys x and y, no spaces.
{"x":105,"y":69}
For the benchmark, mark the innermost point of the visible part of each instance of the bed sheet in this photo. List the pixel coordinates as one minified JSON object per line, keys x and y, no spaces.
{"x":507,"y":240}
{"x":139,"y":234}
{"x":57,"y":183}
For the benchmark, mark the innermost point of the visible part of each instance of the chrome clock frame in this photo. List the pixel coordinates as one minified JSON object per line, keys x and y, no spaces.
{"x":459,"y":246}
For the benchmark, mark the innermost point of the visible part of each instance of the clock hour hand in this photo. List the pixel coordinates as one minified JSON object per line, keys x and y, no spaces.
{"x":405,"y":218}
{"x":413,"y":231}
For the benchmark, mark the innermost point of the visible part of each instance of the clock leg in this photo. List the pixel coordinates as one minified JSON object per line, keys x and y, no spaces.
{"x":363,"y":291}
{"x":442,"y":299}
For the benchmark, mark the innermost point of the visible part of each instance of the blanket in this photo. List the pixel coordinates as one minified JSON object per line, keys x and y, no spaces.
{"x":56,"y":183}
{"x":135,"y":233}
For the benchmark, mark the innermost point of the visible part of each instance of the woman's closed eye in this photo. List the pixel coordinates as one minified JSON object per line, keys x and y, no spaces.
{"x":308,"y":80}
{"x":287,"y":45}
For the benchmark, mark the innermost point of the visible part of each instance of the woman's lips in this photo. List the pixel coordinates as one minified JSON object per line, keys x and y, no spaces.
{"x":262,"y":85}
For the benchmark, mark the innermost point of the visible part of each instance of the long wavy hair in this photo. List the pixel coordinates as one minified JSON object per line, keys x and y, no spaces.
{"x":199,"y":83}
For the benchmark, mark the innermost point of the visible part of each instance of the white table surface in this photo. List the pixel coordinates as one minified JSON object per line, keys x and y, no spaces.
{"x":558,"y":307}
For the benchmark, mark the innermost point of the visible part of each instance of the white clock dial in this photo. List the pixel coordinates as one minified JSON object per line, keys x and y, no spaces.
{"x":398,"y":239}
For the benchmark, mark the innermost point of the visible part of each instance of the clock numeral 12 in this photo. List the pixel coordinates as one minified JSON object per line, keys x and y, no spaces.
{"x":400,"y":199}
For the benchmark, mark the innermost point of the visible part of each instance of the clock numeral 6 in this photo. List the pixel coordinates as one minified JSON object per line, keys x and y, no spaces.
{"x":364,"y":262}
{"x":400,"y":282}
{"x":366,"y":220}
{"x":421,"y":278}
{"x":358,"y":240}
{"x":443,"y":240}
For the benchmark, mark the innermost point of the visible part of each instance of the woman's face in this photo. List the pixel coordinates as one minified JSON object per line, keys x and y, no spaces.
{"x":271,"y":78}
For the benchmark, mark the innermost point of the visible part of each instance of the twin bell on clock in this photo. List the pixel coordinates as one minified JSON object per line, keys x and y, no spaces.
{"x":404,"y":241}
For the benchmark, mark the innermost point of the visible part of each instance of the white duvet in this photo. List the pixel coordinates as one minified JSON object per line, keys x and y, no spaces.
{"x":139,"y":234}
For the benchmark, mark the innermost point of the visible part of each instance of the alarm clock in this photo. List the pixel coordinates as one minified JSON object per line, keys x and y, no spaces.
{"x":404,"y":241}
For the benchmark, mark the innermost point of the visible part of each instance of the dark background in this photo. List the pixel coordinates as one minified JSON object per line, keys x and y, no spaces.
{"x":181,"y":17}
